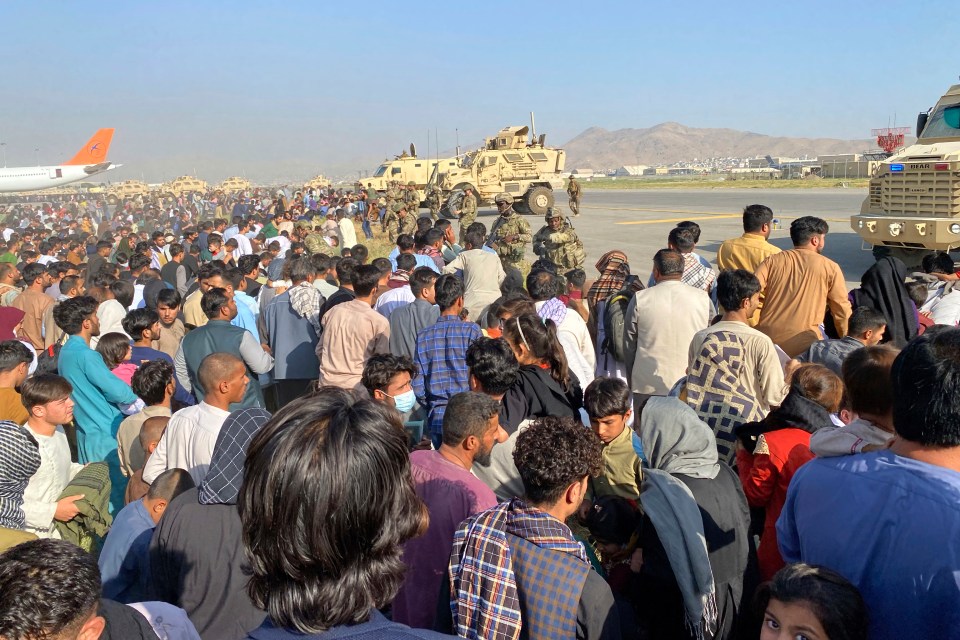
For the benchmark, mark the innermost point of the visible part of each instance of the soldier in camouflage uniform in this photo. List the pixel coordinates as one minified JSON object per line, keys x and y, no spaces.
{"x":412,"y":199}
{"x":391,"y":196}
{"x":434,"y":198}
{"x":468,"y":213}
{"x":391,"y":221}
{"x":407,"y":223}
{"x":573,"y":193}
{"x":558,"y":242}
{"x":315,"y":243}
{"x":510,"y":234}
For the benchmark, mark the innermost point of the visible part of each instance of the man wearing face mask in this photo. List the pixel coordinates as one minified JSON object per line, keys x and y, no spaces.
{"x":387,"y":378}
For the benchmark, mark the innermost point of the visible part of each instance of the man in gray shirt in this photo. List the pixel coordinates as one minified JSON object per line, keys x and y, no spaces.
{"x":407,"y":320}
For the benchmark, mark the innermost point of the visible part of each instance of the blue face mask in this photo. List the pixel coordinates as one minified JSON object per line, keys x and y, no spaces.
{"x":405,"y":401}
{"x":638,"y":448}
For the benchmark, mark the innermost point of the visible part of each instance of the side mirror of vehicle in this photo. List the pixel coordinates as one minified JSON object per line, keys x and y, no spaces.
{"x":921,"y":122}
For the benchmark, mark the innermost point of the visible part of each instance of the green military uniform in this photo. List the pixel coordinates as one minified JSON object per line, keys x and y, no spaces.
{"x":408,"y":224}
{"x":468,"y":214}
{"x":433,"y":201}
{"x":511,"y":225}
{"x":562,"y":247}
{"x":315,"y":243}
{"x":391,"y":196}
{"x":412,"y":199}
{"x":573,"y":193}
{"x":391,"y":221}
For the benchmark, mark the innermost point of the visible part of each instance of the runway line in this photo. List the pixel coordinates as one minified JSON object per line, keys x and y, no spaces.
{"x":662,"y":220}
{"x":687,"y":211}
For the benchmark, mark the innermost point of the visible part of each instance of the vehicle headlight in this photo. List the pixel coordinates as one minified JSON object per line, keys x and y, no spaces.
{"x":955,"y":228}
{"x":860,"y":224}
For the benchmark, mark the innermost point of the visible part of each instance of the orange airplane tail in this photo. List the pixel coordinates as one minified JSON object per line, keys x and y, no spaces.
{"x":95,"y":151}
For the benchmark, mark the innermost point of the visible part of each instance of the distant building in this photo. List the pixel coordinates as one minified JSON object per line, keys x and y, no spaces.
{"x":630,"y":170}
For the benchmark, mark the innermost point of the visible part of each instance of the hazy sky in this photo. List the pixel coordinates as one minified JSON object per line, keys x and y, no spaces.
{"x":289,"y":89}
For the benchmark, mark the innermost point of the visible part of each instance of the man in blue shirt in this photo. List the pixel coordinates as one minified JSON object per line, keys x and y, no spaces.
{"x":125,"y":558}
{"x":889,"y":521}
{"x":441,"y":355}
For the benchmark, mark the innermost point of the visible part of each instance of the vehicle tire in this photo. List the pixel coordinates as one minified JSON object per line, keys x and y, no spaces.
{"x":113,"y":200}
{"x":521,"y":207}
{"x":537,"y":200}
{"x":912,"y":258}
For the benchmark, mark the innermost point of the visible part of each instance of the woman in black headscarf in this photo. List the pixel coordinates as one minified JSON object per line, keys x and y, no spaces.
{"x":883,"y":288}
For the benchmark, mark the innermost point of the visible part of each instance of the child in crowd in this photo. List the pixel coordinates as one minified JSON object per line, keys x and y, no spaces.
{"x":607,"y":403}
{"x":172,"y":330}
{"x":47,"y":400}
{"x":149,"y":437}
{"x":124,"y":559}
{"x":15,"y":359}
{"x":613,"y":523}
{"x":918,"y":294}
{"x":115,"y":350}
{"x":811,"y":602}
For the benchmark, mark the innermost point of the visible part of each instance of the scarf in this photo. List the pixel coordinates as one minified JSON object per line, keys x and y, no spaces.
{"x":553,"y":309}
{"x":882,"y":288}
{"x":715,"y":393}
{"x":10,"y":317}
{"x":675,"y":441}
{"x":305,"y":300}
{"x":485,"y":601}
{"x":614,"y":269}
{"x":222,"y":483}
{"x":695,"y":274}
{"x":19,"y":460}
{"x":795,"y":412}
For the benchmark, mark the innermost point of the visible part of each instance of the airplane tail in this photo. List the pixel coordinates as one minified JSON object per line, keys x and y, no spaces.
{"x":95,"y":151}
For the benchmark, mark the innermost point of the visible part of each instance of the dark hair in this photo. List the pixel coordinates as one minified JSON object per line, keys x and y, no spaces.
{"x":682,"y":239}
{"x":432,"y":236}
{"x":365,"y":280}
{"x":755,"y":216}
{"x":169,"y":484}
{"x":326,"y":503}
{"x":442,"y":224}
{"x":359,"y":253}
{"x":113,"y":347}
{"x":576,"y":277}
{"x":215,"y":368}
{"x":802,"y":229}
{"x":475,"y":239}
{"x":835,"y":602}
{"x":70,"y":314}
{"x":209,"y":270}
{"x":138,"y":321}
{"x":449,"y":289}
{"x":692,"y":227}
{"x":821,"y":385}
{"x":492,"y":363}
{"x":866,"y":376}
{"x":606,"y":397}
{"x":468,"y":414}
{"x":213,"y":301}
{"x":345,"y":269}
{"x":383,"y":264}
{"x":301,"y":269}
{"x":33,"y":272}
{"x":863,"y":319}
{"x":50,"y":589}
{"x":516,"y":304}
{"x":234,"y":276}
{"x":67,"y":283}
{"x":150,"y":380}
{"x":381,"y":368}
{"x":405,"y":242}
{"x":553,"y":453}
{"x":540,"y":338}
{"x":123,"y":291}
{"x":735,"y":286}
{"x":13,"y":353}
{"x":248,"y":263}
{"x":478,"y":227}
{"x":138,"y":261}
{"x":43,"y":388}
{"x":320,"y":262}
{"x":421,"y":278}
{"x":939,"y":262}
{"x":176,"y":249}
{"x":926,"y":389}
{"x":668,"y":262}
{"x":918,"y":292}
{"x":169,"y":297}
{"x":542,"y":285}
{"x":407,"y":262}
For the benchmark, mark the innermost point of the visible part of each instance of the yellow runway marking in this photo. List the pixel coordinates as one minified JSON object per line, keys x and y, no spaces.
{"x":687,"y":211}
{"x":662,"y":220}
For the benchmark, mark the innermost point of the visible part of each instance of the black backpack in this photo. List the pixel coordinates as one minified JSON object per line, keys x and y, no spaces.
{"x":48,"y":359}
{"x":615,"y":320}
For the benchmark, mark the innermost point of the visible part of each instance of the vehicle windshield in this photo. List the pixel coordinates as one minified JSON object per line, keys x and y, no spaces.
{"x":943,"y":122}
{"x":382,"y":169}
{"x":468,"y":159}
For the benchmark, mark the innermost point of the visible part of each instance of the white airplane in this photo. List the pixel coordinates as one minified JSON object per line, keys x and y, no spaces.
{"x":89,"y":161}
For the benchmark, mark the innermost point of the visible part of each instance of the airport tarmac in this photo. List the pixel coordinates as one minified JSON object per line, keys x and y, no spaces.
{"x":637,"y":221}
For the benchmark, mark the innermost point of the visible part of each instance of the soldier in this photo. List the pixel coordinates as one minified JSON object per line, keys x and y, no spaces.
{"x":573,"y":192}
{"x":412,"y":199}
{"x":510,"y":234}
{"x":316,"y":243}
{"x":467,"y":213}
{"x":407,"y":223}
{"x":557,"y":242}
{"x":434,"y":198}
{"x":391,"y":195}
{"x":391,"y":221}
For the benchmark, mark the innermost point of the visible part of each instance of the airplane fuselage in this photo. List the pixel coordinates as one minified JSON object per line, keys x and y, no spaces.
{"x":34,"y":178}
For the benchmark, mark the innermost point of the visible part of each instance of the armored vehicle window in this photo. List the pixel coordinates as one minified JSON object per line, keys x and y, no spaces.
{"x":380,"y":171}
{"x":513,"y":157}
{"x":395,"y":171}
{"x":943,"y":123}
{"x":538,"y":157}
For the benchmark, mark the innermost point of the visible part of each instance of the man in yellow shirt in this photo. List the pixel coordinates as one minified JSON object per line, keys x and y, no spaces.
{"x":752,"y":248}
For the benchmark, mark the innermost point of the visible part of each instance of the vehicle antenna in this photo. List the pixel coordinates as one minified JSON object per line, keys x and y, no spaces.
{"x":533,"y":127}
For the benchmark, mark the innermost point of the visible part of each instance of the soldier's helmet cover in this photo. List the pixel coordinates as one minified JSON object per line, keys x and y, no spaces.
{"x":552,"y":213}
{"x":503,"y":197}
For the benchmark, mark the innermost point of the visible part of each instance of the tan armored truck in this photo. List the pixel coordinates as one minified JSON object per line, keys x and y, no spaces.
{"x":317,"y":182}
{"x":234,"y":184}
{"x":511,"y":162}
{"x":913,"y":205}
{"x":181,"y":186}
{"x":406,"y":168}
{"x":117,"y":193}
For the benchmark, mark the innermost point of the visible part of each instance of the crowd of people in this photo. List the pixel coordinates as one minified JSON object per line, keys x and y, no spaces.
{"x":228,"y":419}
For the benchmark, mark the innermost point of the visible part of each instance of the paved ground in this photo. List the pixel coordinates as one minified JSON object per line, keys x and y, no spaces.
{"x":638,"y":221}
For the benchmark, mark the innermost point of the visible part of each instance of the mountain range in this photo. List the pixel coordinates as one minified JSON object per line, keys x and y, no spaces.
{"x":669,"y":142}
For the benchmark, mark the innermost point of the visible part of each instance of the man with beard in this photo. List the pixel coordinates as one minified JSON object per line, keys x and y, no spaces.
{"x":442,"y":478}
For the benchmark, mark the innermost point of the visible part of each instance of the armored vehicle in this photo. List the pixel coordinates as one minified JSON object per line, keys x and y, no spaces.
{"x":121,"y":191}
{"x":511,"y":162}
{"x":406,"y":168}
{"x":234,"y":184}
{"x":182,"y":186}
{"x":317,"y":182}
{"x":913,"y":205}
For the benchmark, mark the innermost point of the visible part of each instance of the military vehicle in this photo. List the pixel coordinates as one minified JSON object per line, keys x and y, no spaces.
{"x":317,"y":182}
{"x":181,"y":186}
{"x":234,"y":184}
{"x":913,"y":205}
{"x":511,"y":162}
{"x":406,"y":168}
{"x":121,"y":191}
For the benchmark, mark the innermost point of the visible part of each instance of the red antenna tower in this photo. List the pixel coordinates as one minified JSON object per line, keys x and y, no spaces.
{"x":890,"y":138}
